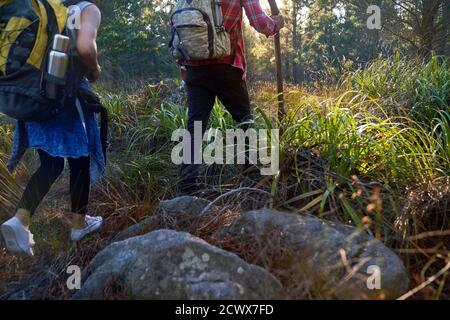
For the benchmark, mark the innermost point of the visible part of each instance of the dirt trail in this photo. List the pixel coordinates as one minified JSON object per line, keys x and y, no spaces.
{"x":51,"y":228}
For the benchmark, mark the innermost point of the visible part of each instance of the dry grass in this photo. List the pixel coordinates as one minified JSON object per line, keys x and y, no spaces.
{"x":411,"y":216}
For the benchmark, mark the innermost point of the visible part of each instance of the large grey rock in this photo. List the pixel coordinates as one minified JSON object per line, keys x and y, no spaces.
{"x":185,"y":205}
{"x":148,"y":224}
{"x":332,"y":257}
{"x":167,"y":264}
{"x":181,"y":210}
{"x":170,"y":214}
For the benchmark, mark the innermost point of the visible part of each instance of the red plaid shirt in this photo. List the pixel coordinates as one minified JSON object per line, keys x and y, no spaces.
{"x":232,"y":18}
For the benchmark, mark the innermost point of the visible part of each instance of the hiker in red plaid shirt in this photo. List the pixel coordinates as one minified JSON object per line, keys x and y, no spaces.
{"x":223,"y":78}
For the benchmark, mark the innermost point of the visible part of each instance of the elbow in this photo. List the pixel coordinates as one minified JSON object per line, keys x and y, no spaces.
{"x":86,"y":49}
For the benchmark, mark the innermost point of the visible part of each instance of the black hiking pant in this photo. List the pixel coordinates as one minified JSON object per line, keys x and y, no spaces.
{"x":50,"y":169}
{"x":203,"y":85}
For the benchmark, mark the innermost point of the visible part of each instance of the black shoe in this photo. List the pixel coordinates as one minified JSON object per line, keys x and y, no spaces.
{"x":188,"y":183}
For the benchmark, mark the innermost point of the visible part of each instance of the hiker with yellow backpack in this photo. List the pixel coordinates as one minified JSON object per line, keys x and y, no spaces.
{"x":48,"y":58}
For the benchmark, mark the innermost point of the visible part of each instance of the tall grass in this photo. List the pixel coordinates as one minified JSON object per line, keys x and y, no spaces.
{"x":422,"y":88}
{"x":358,"y":131}
{"x":394,"y":150}
{"x":431,"y":95}
{"x":373,"y":153}
{"x":386,"y":78}
{"x":9,"y":189}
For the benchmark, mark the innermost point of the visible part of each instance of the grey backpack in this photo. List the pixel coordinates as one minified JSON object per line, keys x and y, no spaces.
{"x":198,"y":32}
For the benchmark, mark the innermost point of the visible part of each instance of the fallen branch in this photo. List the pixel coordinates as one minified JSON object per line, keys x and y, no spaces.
{"x":426,"y":283}
{"x":429,"y":234}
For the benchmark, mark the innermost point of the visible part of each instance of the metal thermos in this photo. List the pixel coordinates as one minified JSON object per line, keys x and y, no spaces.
{"x":57,"y":65}
{"x":61,"y":43}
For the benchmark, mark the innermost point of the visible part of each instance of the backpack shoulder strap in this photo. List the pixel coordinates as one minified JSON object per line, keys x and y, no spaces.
{"x":78,"y":3}
{"x":84,"y":4}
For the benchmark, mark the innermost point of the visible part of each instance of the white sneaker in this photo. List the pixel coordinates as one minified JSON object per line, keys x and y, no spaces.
{"x":18,"y":239}
{"x":93,"y":224}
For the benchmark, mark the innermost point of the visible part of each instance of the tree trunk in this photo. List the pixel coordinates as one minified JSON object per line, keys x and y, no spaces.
{"x":445,"y":40}
{"x":295,"y":9}
{"x":427,"y":29}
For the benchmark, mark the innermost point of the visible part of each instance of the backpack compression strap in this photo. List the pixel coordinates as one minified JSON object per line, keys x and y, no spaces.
{"x":53,"y":16}
{"x":19,"y":15}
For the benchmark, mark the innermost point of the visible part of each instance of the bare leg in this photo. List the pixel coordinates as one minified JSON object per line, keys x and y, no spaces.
{"x":24,"y":216}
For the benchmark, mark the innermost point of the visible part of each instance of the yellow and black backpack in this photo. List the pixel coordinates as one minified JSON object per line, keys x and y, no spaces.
{"x":27,"y":29}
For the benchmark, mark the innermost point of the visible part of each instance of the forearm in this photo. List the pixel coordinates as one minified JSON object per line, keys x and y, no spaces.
{"x":258,"y":19}
{"x":88,"y":54}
